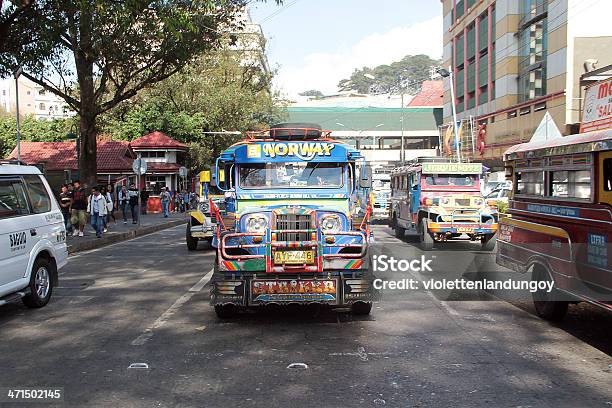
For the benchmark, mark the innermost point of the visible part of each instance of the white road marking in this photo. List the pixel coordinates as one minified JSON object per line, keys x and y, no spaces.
{"x":161,"y":320}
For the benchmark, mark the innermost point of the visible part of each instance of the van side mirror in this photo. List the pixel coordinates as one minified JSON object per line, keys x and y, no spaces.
{"x":213,"y":176}
{"x":366,"y":177}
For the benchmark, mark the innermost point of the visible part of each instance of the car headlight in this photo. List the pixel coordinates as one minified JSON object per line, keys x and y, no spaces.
{"x":256,"y":223}
{"x":330,"y":223}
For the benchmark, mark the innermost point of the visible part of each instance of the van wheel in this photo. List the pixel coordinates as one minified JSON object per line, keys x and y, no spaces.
{"x":546,"y":304}
{"x":361,"y":308}
{"x":41,"y":284}
{"x":427,"y":241}
{"x":192,"y":243}
{"x":488,"y":242}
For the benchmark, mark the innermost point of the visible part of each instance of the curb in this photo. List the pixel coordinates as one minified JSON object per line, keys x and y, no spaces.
{"x":124,"y":236}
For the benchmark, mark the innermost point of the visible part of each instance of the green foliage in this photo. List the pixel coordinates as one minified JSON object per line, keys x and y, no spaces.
{"x":31,"y":130}
{"x":502,"y":207}
{"x":217,"y":93}
{"x":406,"y":74}
{"x":312,"y":92}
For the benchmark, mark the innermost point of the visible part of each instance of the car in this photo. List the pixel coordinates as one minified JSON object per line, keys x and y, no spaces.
{"x":32,"y":236}
{"x":499,"y":194}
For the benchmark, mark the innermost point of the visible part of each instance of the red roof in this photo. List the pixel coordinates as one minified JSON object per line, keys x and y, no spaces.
{"x":432,"y":94}
{"x":163,"y":167}
{"x":113,"y":155}
{"x":157,"y":140}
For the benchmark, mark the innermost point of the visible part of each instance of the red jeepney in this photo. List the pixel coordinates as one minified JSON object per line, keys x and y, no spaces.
{"x":560,"y":219}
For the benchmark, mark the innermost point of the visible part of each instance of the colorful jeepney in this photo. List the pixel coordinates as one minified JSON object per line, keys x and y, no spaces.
{"x":201,"y":226}
{"x":560,"y":224}
{"x":295,"y":228}
{"x":438,"y":200}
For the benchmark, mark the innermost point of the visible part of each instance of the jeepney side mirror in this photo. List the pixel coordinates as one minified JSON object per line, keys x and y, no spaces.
{"x":213,"y":176}
{"x":366,"y":178}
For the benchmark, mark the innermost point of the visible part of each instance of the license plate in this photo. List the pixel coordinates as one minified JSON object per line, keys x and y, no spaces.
{"x":294,"y":257}
{"x":465,"y":230}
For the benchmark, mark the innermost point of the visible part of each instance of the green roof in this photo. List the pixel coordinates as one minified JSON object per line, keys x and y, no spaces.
{"x":366,"y":119}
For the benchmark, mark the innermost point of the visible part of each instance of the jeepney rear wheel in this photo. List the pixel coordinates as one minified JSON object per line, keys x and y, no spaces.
{"x":427,"y":241}
{"x":488,"y":242}
{"x":361,"y":308}
{"x":192,"y":243}
{"x":399,"y":231}
{"x":545,"y":304}
{"x":226,"y":311}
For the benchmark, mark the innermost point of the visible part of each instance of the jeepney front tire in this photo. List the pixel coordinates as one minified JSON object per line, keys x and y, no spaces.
{"x":427,"y":241}
{"x":488,"y":242}
{"x":400,"y":232}
{"x":361,"y":308}
{"x":226,"y":311}
{"x":192,"y":243}
{"x":545,"y":305}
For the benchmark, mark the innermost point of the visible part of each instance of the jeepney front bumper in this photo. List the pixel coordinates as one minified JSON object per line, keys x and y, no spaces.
{"x":464,"y":221}
{"x":250,"y":274}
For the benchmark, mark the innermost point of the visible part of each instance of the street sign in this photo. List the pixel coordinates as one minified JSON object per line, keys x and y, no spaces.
{"x":139,"y":166}
{"x":183,"y":172}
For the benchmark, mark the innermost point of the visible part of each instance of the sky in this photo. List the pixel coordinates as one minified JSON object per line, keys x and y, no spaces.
{"x":316,"y":43}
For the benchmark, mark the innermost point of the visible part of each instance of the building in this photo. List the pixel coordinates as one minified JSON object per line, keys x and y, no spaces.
{"x":513,"y":61}
{"x":163,"y":156}
{"x":250,"y":42}
{"x":33,"y":100}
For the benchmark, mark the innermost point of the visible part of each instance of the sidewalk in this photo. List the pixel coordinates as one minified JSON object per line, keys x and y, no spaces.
{"x":119,"y":231}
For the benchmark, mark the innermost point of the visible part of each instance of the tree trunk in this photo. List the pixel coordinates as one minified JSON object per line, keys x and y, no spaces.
{"x":88,"y":168}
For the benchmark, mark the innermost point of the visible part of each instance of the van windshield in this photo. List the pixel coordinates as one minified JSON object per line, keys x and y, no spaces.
{"x":291,"y":175}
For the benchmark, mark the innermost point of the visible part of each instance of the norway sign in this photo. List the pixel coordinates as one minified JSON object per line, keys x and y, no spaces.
{"x":597,"y":114}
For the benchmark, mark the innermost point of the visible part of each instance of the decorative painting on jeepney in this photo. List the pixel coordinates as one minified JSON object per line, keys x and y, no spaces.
{"x":597,"y":250}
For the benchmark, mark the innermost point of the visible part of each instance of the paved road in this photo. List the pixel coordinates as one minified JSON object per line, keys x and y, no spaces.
{"x":145,"y":301}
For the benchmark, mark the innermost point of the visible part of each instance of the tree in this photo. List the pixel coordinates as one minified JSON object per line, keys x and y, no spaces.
{"x":312,"y":92}
{"x":406,"y":74}
{"x":219,"y":92}
{"x":32,"y":129}
{"x":97,"y":53}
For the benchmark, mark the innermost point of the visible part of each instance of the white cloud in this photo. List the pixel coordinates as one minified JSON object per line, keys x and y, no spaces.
{"x":323,"y":71}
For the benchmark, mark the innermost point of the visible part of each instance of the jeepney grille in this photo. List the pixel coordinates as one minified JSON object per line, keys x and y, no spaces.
{"x":462,"y":202}
{"x":293,"y":222}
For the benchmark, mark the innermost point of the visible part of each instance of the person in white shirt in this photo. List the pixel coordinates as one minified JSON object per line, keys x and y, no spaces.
{"x":96,"y":207}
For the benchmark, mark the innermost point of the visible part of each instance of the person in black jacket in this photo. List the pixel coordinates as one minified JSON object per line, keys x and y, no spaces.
{"x":133,"y":194}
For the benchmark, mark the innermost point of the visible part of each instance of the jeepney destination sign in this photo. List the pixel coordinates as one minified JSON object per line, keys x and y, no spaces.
{"x":452,"y":168}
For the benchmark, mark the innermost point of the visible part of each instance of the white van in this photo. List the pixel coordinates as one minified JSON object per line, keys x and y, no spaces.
{"x":32,"y":236}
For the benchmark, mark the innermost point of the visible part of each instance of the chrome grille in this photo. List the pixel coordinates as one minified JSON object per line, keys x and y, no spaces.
{"x":293,"y":222}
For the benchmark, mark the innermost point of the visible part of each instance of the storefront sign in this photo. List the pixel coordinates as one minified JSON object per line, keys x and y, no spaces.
{"x":597,"y":114}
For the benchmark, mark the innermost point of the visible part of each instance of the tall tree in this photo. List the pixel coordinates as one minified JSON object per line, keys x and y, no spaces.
{"x":406,"y":74}
{"x":96,"y":53}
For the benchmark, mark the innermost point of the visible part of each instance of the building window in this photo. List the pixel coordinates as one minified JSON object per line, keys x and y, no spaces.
{"x":571,"y":184}
{"x":153,"y":155}
{"x":41,"y":106}
{"x":155,"y":183}
{"x":533,"y":40}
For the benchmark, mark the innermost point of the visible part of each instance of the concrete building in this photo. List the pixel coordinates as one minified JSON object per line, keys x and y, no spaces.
{"x":513,"y":61}
{"x":33,"y":100}
{"x":250,"y":42}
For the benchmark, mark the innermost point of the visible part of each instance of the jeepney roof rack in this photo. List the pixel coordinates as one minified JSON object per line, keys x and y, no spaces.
{"x":291,"y":131}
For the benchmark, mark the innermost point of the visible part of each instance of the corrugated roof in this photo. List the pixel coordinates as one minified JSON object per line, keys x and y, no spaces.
{"x":157,"y":140}
{"x":58,"y":156}
{"x":432,"y":94}
{"x":364,"y":119}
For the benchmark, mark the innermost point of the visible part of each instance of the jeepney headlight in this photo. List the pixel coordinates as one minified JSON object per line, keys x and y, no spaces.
{"x":330,"y":223}
{"x":256,"y":223}
{"x":478,"y":202}
{"x":445,"y":201}
{"x":204,"y":207}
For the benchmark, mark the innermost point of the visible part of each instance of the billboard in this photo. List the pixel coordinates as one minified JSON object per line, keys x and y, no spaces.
{"x":597,"y":113}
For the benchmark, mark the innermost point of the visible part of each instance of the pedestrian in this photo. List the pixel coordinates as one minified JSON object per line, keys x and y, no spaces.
{"x":111,"y":203}
{"x":177,"y":201}
{"x":65,"y":203}
{"x":109,"y":207}
{"x":133,"y":202}
{"x":123,"y":200}
{"x":78,"y":209}
{"x":144,"y":198}
{"x":185,"y":201}
{"x":165,"y":197}
{"x":96,"y":207}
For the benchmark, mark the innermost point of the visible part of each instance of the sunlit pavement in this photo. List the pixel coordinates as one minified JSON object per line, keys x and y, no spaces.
{"x":145,"y":301}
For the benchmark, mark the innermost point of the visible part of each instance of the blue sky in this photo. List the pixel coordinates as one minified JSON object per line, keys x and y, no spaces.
{"x":316,"y":43}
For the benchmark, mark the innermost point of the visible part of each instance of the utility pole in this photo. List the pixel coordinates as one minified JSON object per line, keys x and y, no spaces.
{"x":17,"y":73}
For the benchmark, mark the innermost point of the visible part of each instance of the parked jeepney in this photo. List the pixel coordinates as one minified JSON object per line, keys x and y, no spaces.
{"x":560,"y":224}
{"x":295,"y":228}
{"x":201,"y":225}
{"x":439,"y":199}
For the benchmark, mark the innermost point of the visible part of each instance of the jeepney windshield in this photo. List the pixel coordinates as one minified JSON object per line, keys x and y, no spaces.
{"x":456,"y":180}
{"x":291,"y":175}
